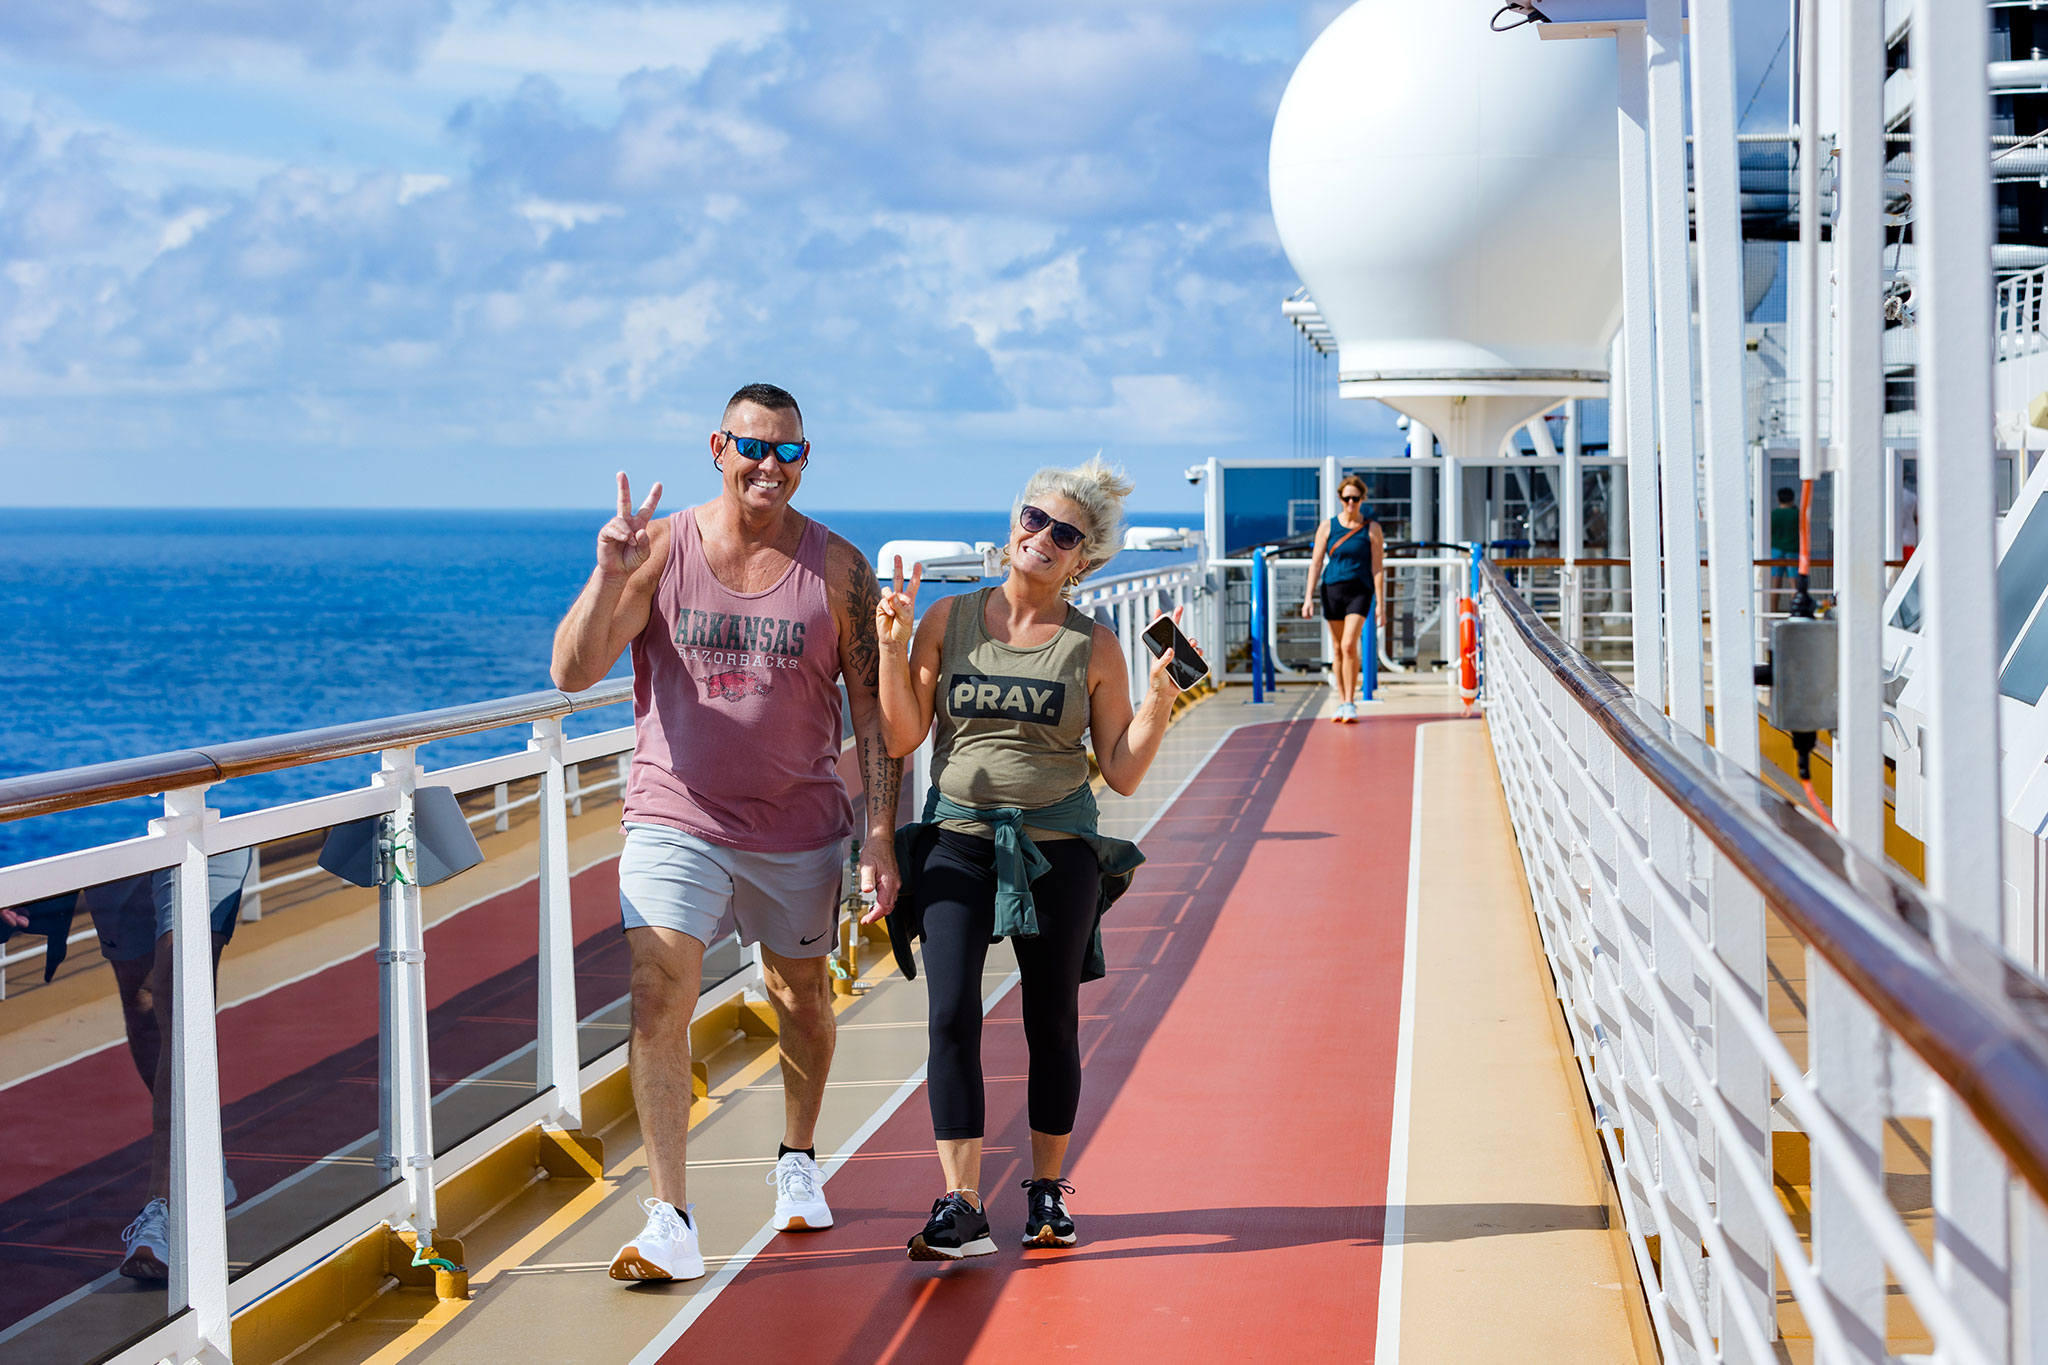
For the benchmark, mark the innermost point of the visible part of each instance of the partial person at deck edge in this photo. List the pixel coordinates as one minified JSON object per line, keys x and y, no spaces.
{"x":1350,"y":563}
{"x":1013,"y":677}
{"x":743,"y":617}
{"x":133,"y":918}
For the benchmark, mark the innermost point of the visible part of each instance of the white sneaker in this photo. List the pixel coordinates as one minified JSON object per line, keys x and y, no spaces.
{"x":146,"y":1244}
{"x":1347,"y":713}
{"x":666,"y":1248}
{"x":799,"y":1202}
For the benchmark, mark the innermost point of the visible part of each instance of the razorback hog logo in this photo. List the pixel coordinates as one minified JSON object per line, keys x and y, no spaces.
{"x":735,"y":684}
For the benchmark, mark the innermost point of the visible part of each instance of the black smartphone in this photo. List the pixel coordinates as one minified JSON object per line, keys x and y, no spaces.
{"x":1188,"y":666}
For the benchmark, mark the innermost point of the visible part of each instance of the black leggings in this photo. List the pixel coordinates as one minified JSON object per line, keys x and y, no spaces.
{"x":956,"y":890}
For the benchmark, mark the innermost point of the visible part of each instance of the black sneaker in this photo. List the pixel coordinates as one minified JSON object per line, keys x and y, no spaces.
{"x":1046,"y":1223}
{"x":955,"y":1229}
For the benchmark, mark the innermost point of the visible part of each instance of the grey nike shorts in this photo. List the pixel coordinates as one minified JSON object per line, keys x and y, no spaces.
{"x":131,"y":914}
{"x":787,"y":902}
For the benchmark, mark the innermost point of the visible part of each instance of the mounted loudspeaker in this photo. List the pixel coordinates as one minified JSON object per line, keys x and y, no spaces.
{"x":359,"y":852}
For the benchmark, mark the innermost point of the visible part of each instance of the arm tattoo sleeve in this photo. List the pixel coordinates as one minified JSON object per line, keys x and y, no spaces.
{"x":861,"y":657}
{"x":882,"y":781}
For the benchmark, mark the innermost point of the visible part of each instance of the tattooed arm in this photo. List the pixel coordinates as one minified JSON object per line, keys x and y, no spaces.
{"x":851,"y":585}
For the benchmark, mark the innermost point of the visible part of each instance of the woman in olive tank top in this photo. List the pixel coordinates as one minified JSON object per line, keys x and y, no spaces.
{"x":1014,"y":677}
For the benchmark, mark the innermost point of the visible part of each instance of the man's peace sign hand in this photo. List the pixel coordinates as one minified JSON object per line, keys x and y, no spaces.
{"x":622,"y":546}
{"x":897,"y":609}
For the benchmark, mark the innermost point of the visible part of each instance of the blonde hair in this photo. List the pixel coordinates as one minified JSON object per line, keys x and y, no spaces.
{"x":1098,"y":489}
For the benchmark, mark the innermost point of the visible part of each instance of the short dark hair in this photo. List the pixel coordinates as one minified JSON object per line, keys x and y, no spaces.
{"x":1784,"y":495}
{"x":764,"y":396}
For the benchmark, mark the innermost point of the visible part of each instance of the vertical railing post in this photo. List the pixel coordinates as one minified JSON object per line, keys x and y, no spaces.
{"x":1737,"y":928}
{"x":1571,"y":523}
{"x":1958,"y":507}
{"x":252,"y":889}
{"x":1369,"y":653}
{"x":1731,"y":575}
{"x":1638,"y":354}
{"x":1846,"y":1048}
{"x":556,"y":1059}
{"x":1258,"y":625}
{"x":1677,"y":461}
{"x":501,"y":807}
{"x":406,"y":1116}
{"x":198,"y":1202}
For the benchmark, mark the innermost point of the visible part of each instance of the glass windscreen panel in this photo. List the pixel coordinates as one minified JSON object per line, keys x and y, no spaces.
{"x":83,"y":1052}
{"x":1267,"y":503}
{"x":297,"y":1025}
{"x":2022,"y":575}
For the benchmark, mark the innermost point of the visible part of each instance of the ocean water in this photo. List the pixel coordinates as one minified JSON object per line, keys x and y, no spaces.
{"x":125,"y":633}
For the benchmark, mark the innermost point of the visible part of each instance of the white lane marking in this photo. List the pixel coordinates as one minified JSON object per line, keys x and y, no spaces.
{"x":701,"y":1301}
{"x":1387,"y":1346}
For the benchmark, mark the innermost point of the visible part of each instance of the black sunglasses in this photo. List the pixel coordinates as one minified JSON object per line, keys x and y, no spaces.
{"x":1349,"y":497}
{"x":1064,"y":534}
{"x":754,"y":448}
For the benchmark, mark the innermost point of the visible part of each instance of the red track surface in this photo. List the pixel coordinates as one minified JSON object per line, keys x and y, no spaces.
{"x":1231,"y":1155}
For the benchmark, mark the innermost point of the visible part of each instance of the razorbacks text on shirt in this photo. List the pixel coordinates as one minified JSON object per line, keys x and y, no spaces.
{"x":976,"y":696}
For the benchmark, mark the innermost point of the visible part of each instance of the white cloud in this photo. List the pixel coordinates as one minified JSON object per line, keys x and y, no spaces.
{"x":549,"y":217}
{"x":1011,"y":227}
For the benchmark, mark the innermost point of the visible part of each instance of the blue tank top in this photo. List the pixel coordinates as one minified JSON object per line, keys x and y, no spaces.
{"x":1352,"y":562}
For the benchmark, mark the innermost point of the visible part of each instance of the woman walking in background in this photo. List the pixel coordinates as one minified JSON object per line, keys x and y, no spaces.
{"x":1349,"y":561}
{"x":1015,"y":676}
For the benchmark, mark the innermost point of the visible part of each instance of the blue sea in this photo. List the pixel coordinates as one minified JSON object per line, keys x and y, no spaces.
{"x":132,"y":632}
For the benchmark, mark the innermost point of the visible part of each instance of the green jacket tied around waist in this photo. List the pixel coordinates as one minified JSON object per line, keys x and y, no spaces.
{"x":1018,"y":863}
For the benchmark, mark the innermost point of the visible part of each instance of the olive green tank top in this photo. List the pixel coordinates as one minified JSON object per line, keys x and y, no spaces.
{"x":1010,"y":720}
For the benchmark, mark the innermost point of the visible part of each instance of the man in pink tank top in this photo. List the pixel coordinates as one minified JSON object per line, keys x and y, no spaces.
{"x":743,"y":616}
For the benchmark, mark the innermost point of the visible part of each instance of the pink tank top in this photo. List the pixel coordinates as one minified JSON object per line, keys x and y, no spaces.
{"x":736,"y":713}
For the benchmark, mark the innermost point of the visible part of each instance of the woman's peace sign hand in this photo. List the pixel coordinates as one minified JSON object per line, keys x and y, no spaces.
{"x":896,"y":612}
{"x":622,"y":546}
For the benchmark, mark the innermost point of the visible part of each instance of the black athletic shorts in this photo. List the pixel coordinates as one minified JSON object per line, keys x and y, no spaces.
{"x":1351,"y":597}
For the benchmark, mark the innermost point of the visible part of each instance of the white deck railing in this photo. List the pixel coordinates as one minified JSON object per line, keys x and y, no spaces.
{"x":1650,"y":861}
{"x":202,"y":1300}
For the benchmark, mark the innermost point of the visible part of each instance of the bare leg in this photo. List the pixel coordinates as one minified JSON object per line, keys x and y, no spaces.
{"x":668,"y":968}
{"x":801,"y":990}
{"x":159,"y":988}
{"x":1354,"y":658}
{"x":960,"y":1158}
{"x":1048,"y":1154}
{"x":138,"y":1014}
{"x":1337,"y":679}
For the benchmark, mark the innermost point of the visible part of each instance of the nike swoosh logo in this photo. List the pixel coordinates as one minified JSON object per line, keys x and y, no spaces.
{"x":807,"y":942}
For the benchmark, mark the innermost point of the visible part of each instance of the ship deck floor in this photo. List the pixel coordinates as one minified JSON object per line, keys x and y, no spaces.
{"x":1329,"y":1112}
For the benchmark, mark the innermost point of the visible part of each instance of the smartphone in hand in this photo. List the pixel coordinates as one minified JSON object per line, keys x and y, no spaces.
{"x":1188,"y":666}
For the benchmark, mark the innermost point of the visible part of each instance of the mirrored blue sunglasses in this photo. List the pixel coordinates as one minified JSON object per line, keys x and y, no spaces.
{"x":754,"y":448}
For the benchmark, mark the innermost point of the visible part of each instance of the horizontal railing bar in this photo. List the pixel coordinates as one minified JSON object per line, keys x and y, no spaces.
{"x":96,"y":783}
{"x":1977,"y":1042}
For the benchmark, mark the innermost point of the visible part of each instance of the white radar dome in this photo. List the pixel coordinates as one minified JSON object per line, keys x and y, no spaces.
{"x":1449,"y":196}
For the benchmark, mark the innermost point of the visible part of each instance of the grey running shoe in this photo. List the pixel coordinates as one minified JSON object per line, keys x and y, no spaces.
{"x":146,"y":1245}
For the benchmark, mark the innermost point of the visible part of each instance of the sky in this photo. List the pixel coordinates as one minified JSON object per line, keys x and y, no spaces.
{"x":483,"y":253}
